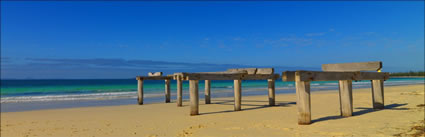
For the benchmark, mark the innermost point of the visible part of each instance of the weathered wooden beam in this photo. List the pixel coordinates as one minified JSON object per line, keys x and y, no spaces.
{"x":194,"y":97}
{"x":179,"y":92}
{"x":225,"y":72}
{"x":288,"y":76}
{"x":346,"y":97}
{"x":334,"y":76}
{"x":155,"y":74}
{"x":154,"y":77}
{"x":265,"y":71}
{"x":212,"y":75}
{"x":167,"y":91}
{"x":218,"y":76}
{"x":271,"y":88}
{"x":378,"y":94}
{"x":260,"y":76}
{"x":220,"y":72}
{"x":227,"y":76}
{"x":249,"y":70}
{"x":178,"y":75}
{"x":360,"y":66}
{"x":207,"y":91}
{"x":238,"y":96}
{"x":303,"y":101}
{"x":140,"y":92}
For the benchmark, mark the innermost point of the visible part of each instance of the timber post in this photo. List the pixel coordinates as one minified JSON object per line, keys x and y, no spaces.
{"x":207,"y":91}
{"x":238,"y":97}
{"x":167,"y":91}
{"x":271,"y":89}
{"x":179,"y":91}
{"x":378,"y":94}
{"x":194,"y":98}
{"x":346,"y":97}
{"x":303,"y":100}
{"x":139,"y":90}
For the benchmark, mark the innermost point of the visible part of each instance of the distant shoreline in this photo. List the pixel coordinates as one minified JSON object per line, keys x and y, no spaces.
{"x":407,"y":76}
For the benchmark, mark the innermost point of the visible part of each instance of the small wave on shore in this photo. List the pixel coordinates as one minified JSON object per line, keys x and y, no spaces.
{"x":73,"y":97}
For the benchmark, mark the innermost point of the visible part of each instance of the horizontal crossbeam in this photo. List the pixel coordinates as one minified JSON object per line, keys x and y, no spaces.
{"x":333,"y":76}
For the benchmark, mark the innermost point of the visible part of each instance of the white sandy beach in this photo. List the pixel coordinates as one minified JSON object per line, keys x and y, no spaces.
{"x":403,"y":116}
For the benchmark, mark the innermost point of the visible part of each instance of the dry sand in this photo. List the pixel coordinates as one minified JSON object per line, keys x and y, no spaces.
{"x":403,"y":116}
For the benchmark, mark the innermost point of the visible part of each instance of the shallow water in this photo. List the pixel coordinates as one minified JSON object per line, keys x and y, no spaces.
{"x":22,"y":95}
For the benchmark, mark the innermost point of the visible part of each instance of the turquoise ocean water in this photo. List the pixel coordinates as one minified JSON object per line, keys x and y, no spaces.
{"x":33,"y":92}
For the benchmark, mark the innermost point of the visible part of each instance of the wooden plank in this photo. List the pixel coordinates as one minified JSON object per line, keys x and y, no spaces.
{"x":271,"y":88}
{"x":225,"y":76}
{"x":182,"y":75}
{"x":194,"y":98}
{"x":219,"y":76}
{"x":303,"y":101}
{"x":238,"y":97}
{"x":331,"y":76}
{"x":206,"y":76}
{"x":346,"y":97}
{"x":167,"y":91}
{"x":178,"y":75}
{"x":225,"y":72}
{"x":359,"y":66}
{"x":288,"y":76}
{"x":378,"y":94}
{"x":324,"y":76}
{"x":249,"y":70}
{"x":260,"y":76}
{"x":140,"y":92}
{"x":207,"y":91}
{"x":179,"y":92}
{"x":155,"y":74}
{"x":265,"y":71}
{"x":154,"y":77}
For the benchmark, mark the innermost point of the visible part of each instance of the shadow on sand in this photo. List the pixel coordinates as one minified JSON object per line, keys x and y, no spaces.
{"x":363,"y":111}
{"x":246,"y":103}
{"x":287,"y":104}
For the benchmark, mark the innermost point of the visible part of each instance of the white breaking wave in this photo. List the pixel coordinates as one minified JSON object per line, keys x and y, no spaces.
{"x":92,"y":96}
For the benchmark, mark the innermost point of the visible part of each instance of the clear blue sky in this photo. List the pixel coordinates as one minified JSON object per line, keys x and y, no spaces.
{"x":123,"y":39}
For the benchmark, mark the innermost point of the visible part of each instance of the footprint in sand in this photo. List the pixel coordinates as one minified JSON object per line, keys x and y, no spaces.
{"x":234,"y":128}
{"x":333,"y":133}
{"x":185,"y":133}
{"x":7,"y":125}
{"x":189,"y":131}
{"x":413,"y":93}
{"x":152,"y":135}
{"x":287,"y":129}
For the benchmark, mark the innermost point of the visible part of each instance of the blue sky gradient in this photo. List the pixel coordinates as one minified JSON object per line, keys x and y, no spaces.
{"x":123,"y":39}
